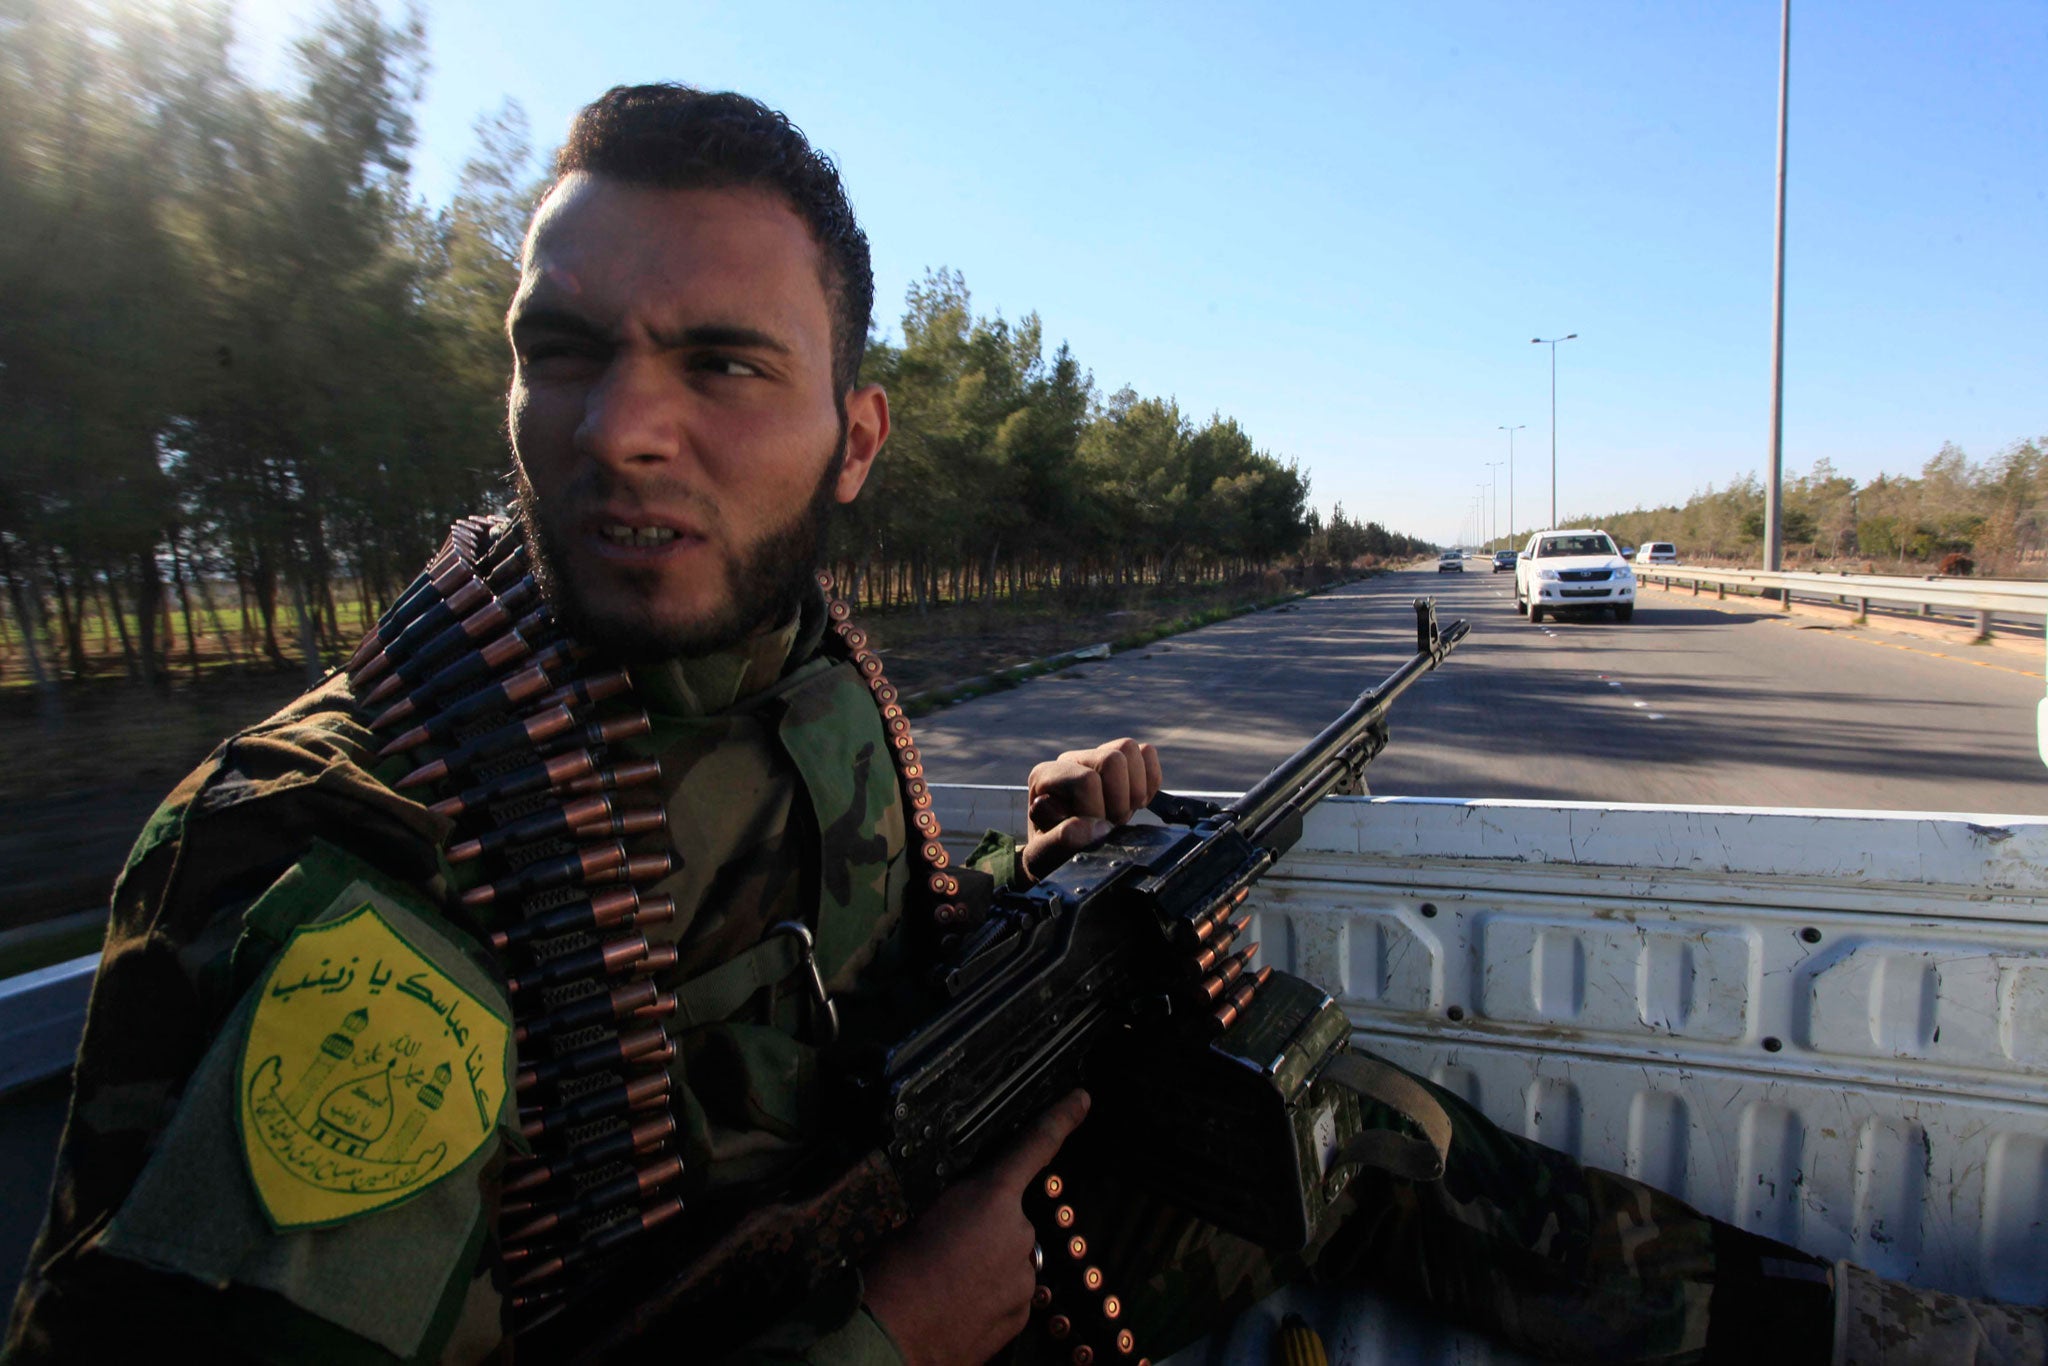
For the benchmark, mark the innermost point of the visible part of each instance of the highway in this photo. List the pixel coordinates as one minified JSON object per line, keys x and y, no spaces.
{"x":1689,"y":703}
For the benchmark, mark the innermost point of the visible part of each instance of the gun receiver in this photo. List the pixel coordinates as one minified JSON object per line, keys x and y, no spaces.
{"x":1094,"y":977}
{"x":1227,"y":1087}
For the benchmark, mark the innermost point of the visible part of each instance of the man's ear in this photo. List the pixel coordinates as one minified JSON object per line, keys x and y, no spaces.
{"x":867,"y":427}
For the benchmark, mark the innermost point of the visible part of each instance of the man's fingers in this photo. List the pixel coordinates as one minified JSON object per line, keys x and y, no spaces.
{"x":1155,"y":777}
{"x":1115,"y":771}
{"x":1034,"y":1149}
{"x":1048,"y":849}
{"x":1065,"y":787}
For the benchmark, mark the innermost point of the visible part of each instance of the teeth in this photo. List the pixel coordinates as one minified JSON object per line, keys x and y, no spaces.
{"x":620,"y":534}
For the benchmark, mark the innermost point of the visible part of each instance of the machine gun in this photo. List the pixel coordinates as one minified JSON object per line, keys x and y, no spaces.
{"x":1232,"y":1088}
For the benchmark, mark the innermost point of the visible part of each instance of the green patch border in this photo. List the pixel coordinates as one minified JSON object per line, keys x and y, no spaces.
{"x":368,"y":908}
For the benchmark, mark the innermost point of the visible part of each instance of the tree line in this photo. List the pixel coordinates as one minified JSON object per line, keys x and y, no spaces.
{"x":1993,"y":512}
{"x":250,"y":375}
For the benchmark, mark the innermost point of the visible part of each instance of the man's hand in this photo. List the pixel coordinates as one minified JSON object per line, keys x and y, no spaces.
{"x":1081,"y":796}
{"x":956,"y":1285}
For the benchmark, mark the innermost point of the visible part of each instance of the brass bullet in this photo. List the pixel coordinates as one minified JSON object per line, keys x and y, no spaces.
{"x":1111,"y":1306}
{"x":639,"y":999}
{"x":647,"y":1179}
{"x":593,"y":689}
{"x":1125,"y":1343}
{"x":555,"y":820}
{"x":642,"y":1137}
{"x":1053,"y":1186}
{"x":1231,"y":970}
{"x":637,"y":1094}
{"x":610,"y":958}
{"x":1041,"y":1296}
{"x":638,"y":773}
{"x":607,"y":910}
{"x":502,"y":695}
{"x":1059,"y":1325}
{"x":416,"y":662}
{"x":562,"y":771}
{"x":1077,"y":1247}
{"x":1084,"y":1355}
{"x":647,"y":1044}
{"x":635,"y":820}
{"x":572,"y":869}
{"x":536,"y":730}
{"x":1091,"y":1276}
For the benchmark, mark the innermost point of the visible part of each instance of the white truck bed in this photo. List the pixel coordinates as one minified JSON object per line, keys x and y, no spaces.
{"x":1830,"y":1027}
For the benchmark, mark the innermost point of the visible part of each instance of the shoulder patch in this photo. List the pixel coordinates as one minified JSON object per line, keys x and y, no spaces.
{"x":367,"y":1074}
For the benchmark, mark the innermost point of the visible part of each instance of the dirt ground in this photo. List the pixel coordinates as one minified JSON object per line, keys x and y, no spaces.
{"x":77,"y":781}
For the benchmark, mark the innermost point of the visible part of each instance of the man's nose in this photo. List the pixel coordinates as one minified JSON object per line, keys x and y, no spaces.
{"x":636,"y":414}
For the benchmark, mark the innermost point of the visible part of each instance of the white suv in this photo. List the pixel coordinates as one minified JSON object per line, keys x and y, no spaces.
{"x":1657,"y":552}
{"x":1565,"y":571}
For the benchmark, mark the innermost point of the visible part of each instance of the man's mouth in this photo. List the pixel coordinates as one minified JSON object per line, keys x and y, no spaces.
{"x":640,"y":538}
{"x":618,"y":533}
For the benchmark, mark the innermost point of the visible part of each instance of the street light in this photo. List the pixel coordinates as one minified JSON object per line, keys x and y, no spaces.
{"x":1511,"y":475}
{"x":1493,"y":527}
{"x":1552,"y":342}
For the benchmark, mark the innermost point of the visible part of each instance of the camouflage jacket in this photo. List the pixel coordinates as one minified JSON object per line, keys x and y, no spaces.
{"x":782,"y":805}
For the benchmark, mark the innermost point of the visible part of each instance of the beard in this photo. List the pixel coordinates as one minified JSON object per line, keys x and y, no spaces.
{"x":766,"y":581}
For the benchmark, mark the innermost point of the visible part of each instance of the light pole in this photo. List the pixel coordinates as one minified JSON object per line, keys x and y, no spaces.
{"x":1773,"y":537}
{"x":1493,"y":527}
{"x":1511,"y":476}
{"x":1552,"y":342}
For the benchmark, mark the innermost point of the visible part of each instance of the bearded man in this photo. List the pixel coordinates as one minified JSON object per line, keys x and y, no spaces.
{"x":369,"y":1077}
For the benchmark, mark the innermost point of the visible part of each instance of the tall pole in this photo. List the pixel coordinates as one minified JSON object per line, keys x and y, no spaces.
{"x":1493,"y":527}
{"x":1552,"y":342}
{"x":1774,"y":547}
{"x":1511,"y":476}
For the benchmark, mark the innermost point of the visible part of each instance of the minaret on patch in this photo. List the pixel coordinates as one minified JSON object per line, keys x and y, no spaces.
{"x":430,"y":1096}
{"x":334,"y":1051}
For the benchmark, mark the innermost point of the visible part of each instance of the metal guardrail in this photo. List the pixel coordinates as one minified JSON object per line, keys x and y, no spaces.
{"x":1982,"y":598}
{"x":42,"y":1013}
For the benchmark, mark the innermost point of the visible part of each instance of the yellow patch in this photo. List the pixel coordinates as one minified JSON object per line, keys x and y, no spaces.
{"x":367,"y":1075}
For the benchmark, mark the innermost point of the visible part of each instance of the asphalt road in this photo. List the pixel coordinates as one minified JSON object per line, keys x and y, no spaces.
{"x":1687,"y":704}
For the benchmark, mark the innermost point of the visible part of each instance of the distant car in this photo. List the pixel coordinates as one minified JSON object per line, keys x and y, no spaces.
{"x":1503,"y":559}
{"x":1573,"y":571}
{"x":1451,"y":561}
{"x":1657,"y":552}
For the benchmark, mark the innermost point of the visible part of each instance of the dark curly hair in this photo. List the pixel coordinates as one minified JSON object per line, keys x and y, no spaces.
{"x":676,"y":137}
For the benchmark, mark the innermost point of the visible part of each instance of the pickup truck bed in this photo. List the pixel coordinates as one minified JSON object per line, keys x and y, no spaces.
{"x":1830,"y":1027}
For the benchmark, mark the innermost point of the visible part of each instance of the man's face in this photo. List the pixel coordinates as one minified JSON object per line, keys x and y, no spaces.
{"x":675,"y":432}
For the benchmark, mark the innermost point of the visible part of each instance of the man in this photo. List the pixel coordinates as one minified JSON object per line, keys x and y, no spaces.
{"x":685,"y":410}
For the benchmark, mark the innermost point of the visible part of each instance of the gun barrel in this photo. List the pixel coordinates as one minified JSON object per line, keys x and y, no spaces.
{"x":1319,"y":766}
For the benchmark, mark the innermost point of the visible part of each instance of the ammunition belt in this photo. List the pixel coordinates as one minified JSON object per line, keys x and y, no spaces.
{"x":513,"y":729}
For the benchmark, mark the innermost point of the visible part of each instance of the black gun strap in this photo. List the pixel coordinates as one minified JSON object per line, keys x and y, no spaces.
{"x":1413,"y":1159}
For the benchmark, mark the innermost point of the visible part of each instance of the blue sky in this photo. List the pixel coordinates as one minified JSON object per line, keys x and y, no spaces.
{"x":1341,"y":224}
